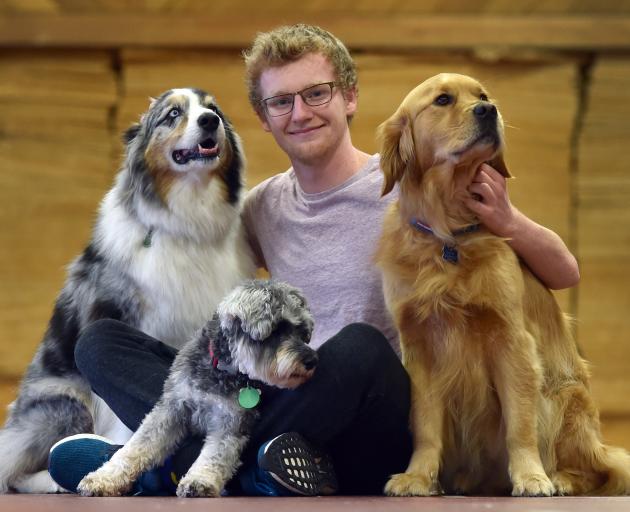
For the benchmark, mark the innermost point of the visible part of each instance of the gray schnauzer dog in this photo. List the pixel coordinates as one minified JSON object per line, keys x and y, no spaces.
{"x":259,"y":333}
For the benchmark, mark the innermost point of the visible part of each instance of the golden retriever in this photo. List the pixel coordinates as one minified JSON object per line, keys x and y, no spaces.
{"x":500,"y":395}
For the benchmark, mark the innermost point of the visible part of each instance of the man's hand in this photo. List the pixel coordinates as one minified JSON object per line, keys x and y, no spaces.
{"x":542,"y":250}
{"x":491,"y":203}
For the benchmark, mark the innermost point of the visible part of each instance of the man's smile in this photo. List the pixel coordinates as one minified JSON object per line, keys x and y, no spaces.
{"x":304,"y":131}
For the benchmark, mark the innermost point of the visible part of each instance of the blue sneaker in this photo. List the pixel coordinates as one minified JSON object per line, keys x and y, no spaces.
{"x":290,"y":465}
{"x":71,"y":458}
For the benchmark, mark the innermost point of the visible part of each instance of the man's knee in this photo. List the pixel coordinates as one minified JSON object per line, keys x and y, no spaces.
{"x":362,"y":346}
{"x":93,"y":344}
{"x":366,"y":341}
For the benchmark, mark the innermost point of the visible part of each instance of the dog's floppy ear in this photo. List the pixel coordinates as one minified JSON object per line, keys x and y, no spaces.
{"x":131,"y":133}
{"x":499,"y":164}
{"x":297,"y":309}
{"x":251,"y":309}
{"x":397,"y":148}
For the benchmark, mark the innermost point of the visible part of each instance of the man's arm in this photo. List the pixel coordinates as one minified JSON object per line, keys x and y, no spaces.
{"x":542,"y":250}
{"x":247,"y":218}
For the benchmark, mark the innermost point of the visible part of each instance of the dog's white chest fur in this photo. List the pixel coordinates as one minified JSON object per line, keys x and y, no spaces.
{"x":183,"y":283}
{"x":180,"y":272}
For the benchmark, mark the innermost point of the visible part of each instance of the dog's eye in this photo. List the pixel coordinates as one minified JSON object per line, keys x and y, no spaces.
{"x":443,"y":99}
{"x":483,"y":97}
{"x":174,"y":112}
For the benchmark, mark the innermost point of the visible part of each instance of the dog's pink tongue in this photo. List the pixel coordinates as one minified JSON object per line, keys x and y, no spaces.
{"x":207,"y":151}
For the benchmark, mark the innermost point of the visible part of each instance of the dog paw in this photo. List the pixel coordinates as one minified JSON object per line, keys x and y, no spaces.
{"x":563,"y":483}
{"x":413,"y":484}
{"x":534,"y":484}
{"x":197,"y":488}
{"x":94,"y":484}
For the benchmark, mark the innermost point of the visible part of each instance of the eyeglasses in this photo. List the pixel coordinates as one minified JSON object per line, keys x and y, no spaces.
{"x":313,"y":96}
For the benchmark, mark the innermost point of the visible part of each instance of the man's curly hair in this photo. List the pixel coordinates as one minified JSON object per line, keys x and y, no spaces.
{"x":287,"y":44}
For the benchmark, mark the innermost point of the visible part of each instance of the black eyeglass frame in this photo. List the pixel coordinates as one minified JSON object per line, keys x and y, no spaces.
{"x":264,"y":101}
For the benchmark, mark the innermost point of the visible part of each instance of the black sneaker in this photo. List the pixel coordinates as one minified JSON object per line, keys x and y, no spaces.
{"x":298,"y":466}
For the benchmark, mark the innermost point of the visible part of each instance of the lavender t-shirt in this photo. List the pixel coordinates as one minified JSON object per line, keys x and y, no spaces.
{"x":324,"y":244}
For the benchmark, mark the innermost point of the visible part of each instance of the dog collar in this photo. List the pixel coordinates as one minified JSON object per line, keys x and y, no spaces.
{"x":449,"y":252}
{"x":221,"y":365}
{"x":148,"y":239}
{"x":248,"y":396}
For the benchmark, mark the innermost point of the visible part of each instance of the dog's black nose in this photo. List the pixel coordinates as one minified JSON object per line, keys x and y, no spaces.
{"x":485,"y":110}
{"x":208,"y":121}
{"x":310,"y":361}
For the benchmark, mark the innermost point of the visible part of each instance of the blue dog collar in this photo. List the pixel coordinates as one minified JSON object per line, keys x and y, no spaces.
{"x":449,"y":252}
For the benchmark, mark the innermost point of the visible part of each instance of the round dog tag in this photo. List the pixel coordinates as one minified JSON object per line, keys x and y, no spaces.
{"x":248,"y":398}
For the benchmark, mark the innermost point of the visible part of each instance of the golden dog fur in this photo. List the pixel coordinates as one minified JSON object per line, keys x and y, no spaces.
{"x":500,"y":395}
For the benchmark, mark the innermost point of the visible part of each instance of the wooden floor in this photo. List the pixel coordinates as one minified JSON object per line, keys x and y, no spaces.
{"x":72,"y":503}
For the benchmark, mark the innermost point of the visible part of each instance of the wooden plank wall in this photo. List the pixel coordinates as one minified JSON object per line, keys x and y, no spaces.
{"x":603,"y":232}
{"x":63,"y":110}
{"x":56,"y":153}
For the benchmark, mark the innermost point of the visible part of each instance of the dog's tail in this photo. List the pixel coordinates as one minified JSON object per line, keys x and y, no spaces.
{"x":614,"y":463}
{"x":17,"y":457}
{"x":30,"y":432}
{"x":585,"y":465}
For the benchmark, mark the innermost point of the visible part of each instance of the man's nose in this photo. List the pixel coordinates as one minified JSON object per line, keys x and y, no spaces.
{"x":300,"y":109}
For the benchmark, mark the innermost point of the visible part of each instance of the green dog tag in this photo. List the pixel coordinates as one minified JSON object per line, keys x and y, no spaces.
{"x":248,"y":398}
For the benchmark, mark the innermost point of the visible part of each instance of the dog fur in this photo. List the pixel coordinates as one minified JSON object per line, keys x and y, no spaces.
{"x":260,"y":332}
{"x":500,"y":395}
{"x":166,"y":247}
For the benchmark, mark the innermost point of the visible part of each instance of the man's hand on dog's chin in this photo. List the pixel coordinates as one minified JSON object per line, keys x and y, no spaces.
{"x":491,"y":203}
{"x":542,"y":250}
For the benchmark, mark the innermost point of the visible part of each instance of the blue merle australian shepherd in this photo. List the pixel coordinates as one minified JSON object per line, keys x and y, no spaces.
{"x":166,"y":247}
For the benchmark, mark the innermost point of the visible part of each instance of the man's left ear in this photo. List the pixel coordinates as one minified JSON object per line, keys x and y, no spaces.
{"x":499,"y":164}
{"x":351,"y":96}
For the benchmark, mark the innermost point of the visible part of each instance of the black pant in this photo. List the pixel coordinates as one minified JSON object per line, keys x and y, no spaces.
{"x":356,"y":405}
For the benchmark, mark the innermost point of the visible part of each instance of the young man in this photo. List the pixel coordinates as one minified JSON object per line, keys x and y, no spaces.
{"x":314,"y":226}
